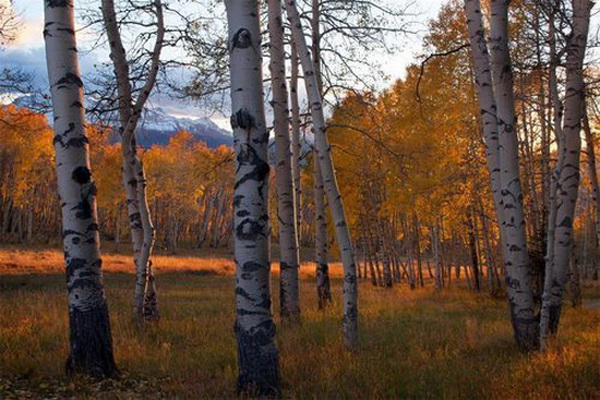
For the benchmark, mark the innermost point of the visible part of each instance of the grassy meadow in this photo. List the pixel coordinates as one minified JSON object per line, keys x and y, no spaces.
{"x":414,"y":344}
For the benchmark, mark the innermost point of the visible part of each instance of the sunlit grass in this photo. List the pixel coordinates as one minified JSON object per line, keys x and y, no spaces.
{"x":414,"y":344}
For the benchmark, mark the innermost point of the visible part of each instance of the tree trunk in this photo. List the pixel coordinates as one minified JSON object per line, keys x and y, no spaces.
{"x":258,"y":356}
{"x":90,"y":337}
{"x":134,"y":179}
{"x":296,"y":144}
{"x":568,"y":181}
{"x":321,"y":250}
{"x":289,"y":261}
{"x":502,"y":158}
{"x":329,"y":180}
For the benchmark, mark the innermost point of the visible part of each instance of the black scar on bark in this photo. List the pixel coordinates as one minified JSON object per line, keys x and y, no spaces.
{"x":82,"y":175}
{"x":249,"y":229}
{"x":57,"y":3}
{"x":260,"y":170}
{"x":76,"y":142}
{"x":237,"y":200}
{"x":84,"y":209}
{"x":243,"y":119}
{"x":243,"y":213}
{"x":73,"y":265}
{"x":70,"y":78}
{"x":242,"y":39}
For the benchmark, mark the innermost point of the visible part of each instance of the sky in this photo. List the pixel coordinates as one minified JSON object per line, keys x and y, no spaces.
{"x":27,"y":51}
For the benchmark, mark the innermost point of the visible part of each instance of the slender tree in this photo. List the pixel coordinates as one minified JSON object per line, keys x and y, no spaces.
{"x":90,"y":337}
{"x":569,"y":174}
{"x":254,"y":327}
{"x":134,"y":176}
{"x":286,"y":202}
{"x":323,"y":155}
{"x":320,"y":203}
{"x":496,"y":101}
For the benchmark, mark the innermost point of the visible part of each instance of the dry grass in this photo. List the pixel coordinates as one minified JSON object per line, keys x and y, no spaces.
{"x":413,"y":344}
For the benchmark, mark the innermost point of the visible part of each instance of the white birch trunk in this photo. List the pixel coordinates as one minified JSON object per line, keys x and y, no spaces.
{"x":496,"y":101}
{"x":254,"y":327}
{"x":329,"y":179}
{"x":516,"y":258}
{"x":90,"y":337}
{"x":321,"y":247}
{"x":134,"y":179}
{"x":568,"y":181}
{"x":286,"y":202}
{"x":296,"y":144}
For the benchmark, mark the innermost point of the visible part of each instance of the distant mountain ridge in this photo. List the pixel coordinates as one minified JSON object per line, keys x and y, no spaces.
{"x":156,"y":126}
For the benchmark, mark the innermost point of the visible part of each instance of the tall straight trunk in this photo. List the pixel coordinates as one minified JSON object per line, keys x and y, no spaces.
{"x":321,"y":247}
{"x":296,"y":144}
{"x":258,"y":357}
{"x":133,"y":173}
{"x":496,"y":99}
{"x":557,"y":109}
{"x":90,"y":337}
{"x":329,"y":179}
{"x":289,"y":259}
{"x":568,"y":181}
{"x":323,"y":286}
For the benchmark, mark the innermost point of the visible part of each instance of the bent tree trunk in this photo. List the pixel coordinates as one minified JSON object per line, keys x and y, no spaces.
{"x":568,"y":181}
{"x":133,"y":174}
{"x":286,"y":204}
{"x":323,"y":153}
{"x":255,"y":331}
{"x":90,"y":337}
{"x":510,"y":209}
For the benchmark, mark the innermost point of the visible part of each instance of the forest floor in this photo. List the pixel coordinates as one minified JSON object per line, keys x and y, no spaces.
{"x":414,"y":344}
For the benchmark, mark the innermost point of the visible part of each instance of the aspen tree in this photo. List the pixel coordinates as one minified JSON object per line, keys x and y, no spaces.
{"x":258,"y":357}
{"x":323,"y":153}
{"x":286,"y":203}
{"x":90,"y":337}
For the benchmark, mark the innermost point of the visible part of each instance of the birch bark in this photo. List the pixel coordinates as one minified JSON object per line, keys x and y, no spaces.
{"x":568,"y":181}
{"x":286,"y":203}
{"x":321,"y":249}
{"x":258,"y":357}
{"x":494,"y":85}
{"x":133,"y":174}
{"x":329,"y":180}
{"x":90,"y":337}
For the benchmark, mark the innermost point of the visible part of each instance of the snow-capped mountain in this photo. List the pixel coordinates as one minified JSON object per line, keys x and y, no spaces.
{"x":155,"y":128}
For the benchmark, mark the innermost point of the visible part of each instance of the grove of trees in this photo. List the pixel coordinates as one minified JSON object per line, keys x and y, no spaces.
{"x":468,"y":169}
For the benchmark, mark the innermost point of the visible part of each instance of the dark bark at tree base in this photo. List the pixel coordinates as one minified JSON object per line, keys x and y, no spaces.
{"x":91,"y":344}
{"x":290,"y":310}
{"x":527,"y":332}
{"x":258,"y":362}
{"x":323,"y":286}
